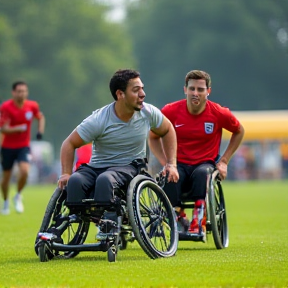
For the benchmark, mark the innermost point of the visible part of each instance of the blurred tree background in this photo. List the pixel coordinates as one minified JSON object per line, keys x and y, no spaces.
{"x":242,"y":44}
{"x":67,"y":51}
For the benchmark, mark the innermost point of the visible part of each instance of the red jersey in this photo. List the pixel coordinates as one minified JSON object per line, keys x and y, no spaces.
{"x":83,"y":155}
{"x":199,"y":136}
{"x":14,"y":115}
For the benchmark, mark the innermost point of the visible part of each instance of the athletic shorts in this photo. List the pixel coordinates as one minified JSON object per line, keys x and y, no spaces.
{"x":9,"y":156}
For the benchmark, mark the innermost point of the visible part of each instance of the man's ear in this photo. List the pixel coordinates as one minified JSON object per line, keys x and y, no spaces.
{"x":209,"y":91}
{"x":120,"y":94}
{"x":185,"y":90}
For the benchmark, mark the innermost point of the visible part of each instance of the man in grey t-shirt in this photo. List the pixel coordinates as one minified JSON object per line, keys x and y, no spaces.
{"x":119,"y":134}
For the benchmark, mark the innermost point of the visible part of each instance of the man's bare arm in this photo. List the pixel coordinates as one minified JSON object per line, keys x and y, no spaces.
{"x":234,"y":143}
{"x":168,"y":145}
{"x":67,"y":152}
{"x":41,"y":124}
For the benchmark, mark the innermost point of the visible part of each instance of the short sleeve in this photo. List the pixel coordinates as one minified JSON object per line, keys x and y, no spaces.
{"x":156,"y":116}
{"x":89,"y":129}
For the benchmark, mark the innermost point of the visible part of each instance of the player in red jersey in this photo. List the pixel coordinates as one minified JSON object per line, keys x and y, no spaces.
{"x":198,"y":123}
{"x":82,"y":155}
{"x":16,"y":119}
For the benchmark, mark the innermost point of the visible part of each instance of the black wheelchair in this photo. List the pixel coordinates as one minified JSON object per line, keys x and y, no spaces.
{"x":216,"y":215}
{"x":143,"y":212}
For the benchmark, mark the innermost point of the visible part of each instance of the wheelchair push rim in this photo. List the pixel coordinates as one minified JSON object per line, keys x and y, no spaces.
{"x":152,"y":219}
{"x":217,"y":213}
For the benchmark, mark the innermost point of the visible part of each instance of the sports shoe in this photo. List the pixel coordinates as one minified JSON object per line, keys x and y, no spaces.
{"x":107,"y":227}
{"x":100,"y":236}
{"x":198,"y":223}
{"x":195,"y":228}
{"x":103,"y":235}
{"x":18,"y":203}
{"x":5,"y":210}
{"x":182,"y":221}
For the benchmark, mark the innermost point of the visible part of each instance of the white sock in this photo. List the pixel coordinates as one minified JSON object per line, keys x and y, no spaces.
{"x":18,"y":196}
{"x":6,"y":204}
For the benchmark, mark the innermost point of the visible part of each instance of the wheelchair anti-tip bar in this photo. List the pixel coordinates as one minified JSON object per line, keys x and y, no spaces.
{"x":50,"y":239}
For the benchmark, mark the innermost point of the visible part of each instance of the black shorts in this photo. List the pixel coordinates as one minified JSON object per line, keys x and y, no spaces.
{"x":9,"y":156}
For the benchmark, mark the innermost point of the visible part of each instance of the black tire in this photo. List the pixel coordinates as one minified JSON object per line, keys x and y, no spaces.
{"x":123,"y":242}
{"x":43,"y":252}
{"x":217,"y":212}
{"x":152,"y":218}
{"x":112,"y":253}
{"x":74,"y":234}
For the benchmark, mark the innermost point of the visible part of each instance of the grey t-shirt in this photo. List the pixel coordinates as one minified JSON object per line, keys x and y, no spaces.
{"x":117,"y":143}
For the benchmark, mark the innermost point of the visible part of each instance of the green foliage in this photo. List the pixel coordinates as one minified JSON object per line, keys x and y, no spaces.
{"x":235,"y":41}
{"x":66,"y":52}
{"x":256,"y":256}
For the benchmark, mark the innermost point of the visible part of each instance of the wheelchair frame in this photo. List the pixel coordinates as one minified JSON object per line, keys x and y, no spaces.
{"x":144,"y":214}
{"x":216,"y":221}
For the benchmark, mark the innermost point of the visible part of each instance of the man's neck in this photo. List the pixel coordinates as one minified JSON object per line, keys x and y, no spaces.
{"x":196,"y":110}
{"x":19,"y":104}
{"x":121,"y":112}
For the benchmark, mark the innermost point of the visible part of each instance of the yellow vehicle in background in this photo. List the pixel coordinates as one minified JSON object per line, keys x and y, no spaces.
{"x":264,"y":151}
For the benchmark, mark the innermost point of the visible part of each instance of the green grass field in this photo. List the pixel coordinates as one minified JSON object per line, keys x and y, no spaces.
{"x":257,"y":255}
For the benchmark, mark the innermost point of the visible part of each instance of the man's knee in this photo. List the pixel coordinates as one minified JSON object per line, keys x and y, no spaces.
{"x":104,"y":188}
{"x":23,"y":169}
{"x":202,"y":171}
{"x":75,"y":191}
{"x":199,"y":180}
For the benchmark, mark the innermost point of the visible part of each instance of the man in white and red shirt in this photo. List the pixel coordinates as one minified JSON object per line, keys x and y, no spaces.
{"x":198,"y":123}
{"x":16,"y":118}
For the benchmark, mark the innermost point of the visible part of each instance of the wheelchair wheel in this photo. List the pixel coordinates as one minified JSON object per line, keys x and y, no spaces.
{"x":56,"y":221}
{"x":112,"y":253}
{"x":217,"y":212}
{"x":122,"y":242}
{"x":152,"y":218}
{"x":44,"y":253}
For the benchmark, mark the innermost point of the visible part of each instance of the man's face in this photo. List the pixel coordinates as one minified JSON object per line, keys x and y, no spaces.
{"x":20,"y":93}
{"x":134,"y":94}
{"x":196,"y":92}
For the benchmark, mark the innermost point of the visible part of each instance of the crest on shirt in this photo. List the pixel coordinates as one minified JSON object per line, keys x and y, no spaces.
{"x":28,"y":115}
{"x":209,"y":127}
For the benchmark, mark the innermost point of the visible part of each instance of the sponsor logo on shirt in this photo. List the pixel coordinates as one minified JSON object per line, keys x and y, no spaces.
{"x":179,"y":125}
{"x":209,"y":127}
{"x":28,"y":115}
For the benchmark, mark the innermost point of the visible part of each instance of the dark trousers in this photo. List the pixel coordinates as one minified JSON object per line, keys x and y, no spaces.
{"x":192,"y":182}
{"x":98,"y":183}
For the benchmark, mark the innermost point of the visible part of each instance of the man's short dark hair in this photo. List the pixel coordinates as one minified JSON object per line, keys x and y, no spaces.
{"x":197,"y":75}
{"x":18,"y":82}
{"x":120,"y":79}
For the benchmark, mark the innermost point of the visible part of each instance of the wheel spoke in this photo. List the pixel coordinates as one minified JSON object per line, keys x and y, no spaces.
{"x":218,"y":214}
{"x":145,"y":203}
{"x":164,"y":239}
{"x":151,"y":213}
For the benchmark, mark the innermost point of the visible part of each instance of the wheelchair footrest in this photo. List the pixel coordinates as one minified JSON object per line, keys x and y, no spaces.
{"x":99,"y":246}
{"x":185,"y":236}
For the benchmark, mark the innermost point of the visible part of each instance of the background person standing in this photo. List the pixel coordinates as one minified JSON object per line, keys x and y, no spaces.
{"x":82,"y":155}
{"x":16,"y":118}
